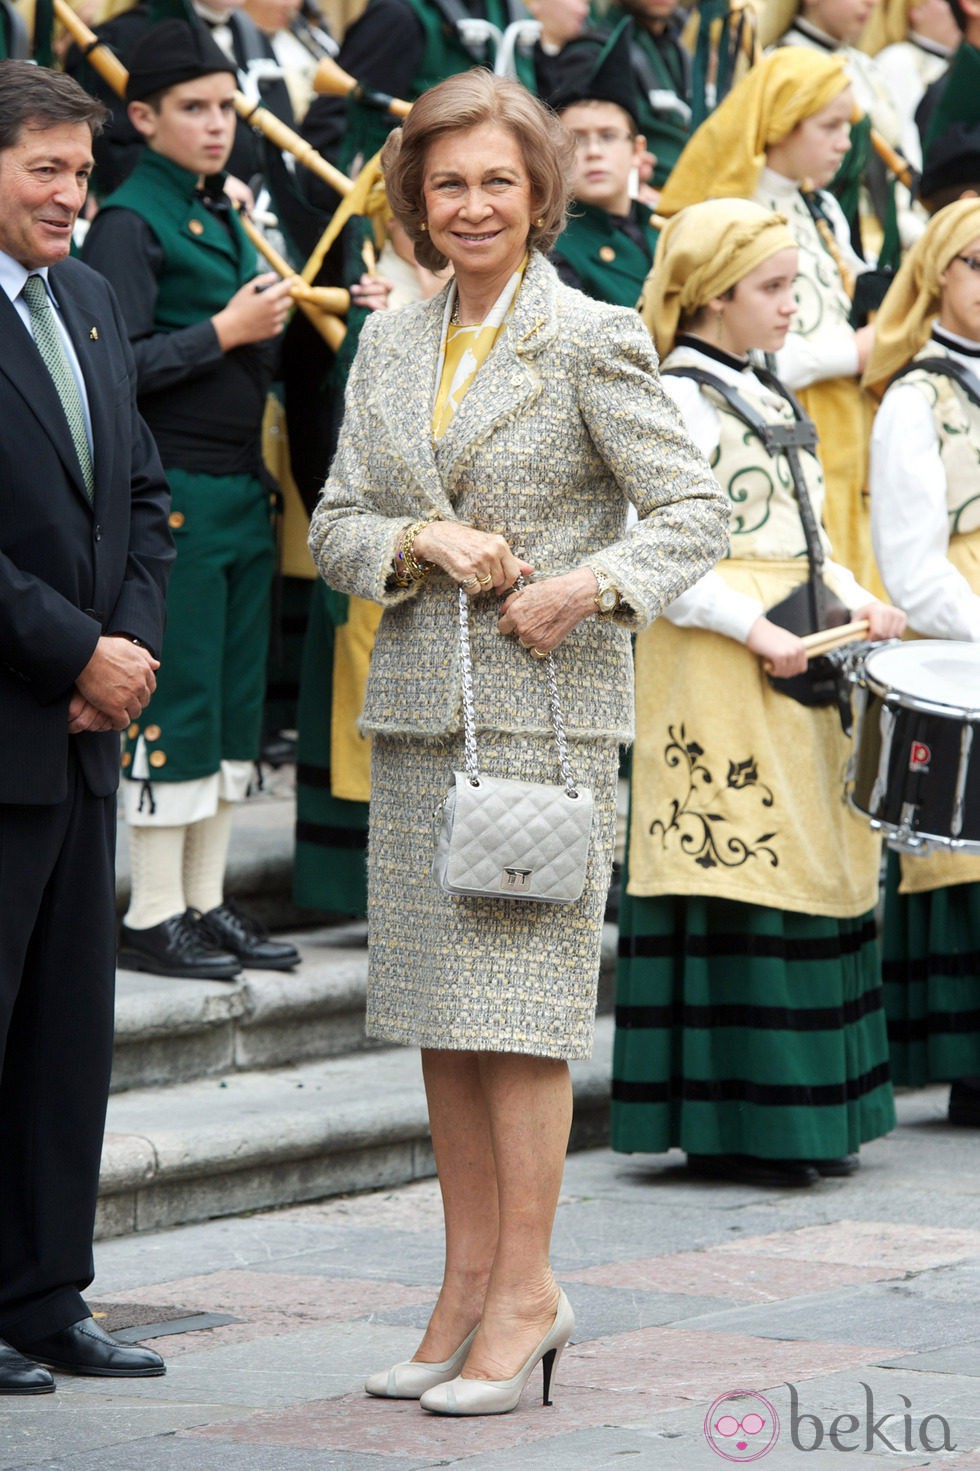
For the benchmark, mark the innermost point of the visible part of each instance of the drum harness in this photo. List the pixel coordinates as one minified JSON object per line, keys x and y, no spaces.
{"x":823,"y":682}
{"x":947,"y":368}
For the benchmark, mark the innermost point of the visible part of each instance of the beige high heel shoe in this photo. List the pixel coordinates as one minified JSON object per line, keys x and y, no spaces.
{"x":460,"y":1396}
{"x":411,"y":1379}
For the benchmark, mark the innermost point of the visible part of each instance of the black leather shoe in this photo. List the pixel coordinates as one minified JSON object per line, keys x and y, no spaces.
{"x":748,"y":1169}
{"x":179,"y":946}
{"x":20,"y":1376}
{"x":835,"y":1169}
{"x":85,"y":1348}
{"x":279,"y":749}
{"x":231,"y":928}
{"x":964,"y":1102}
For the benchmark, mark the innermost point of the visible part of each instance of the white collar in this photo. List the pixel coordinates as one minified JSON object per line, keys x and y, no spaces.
{"x":13,"y":275}
{"x":687,"y":355}
{"x":816,"y":35}
{"x":772,"y":183}
{"x":965,"y":349}
{"x":934,"y":48}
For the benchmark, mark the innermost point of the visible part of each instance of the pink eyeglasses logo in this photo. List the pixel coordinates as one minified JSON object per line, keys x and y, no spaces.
{"x":741,"y":1426}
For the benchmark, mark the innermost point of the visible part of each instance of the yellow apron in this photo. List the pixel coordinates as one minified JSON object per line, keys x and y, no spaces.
{"x":738,"y":790}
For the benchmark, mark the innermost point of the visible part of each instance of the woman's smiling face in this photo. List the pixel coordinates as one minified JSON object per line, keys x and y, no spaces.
{"x":478,"y":202}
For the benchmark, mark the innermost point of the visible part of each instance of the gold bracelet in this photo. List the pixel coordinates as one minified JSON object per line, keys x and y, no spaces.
{"x":407,"y":568}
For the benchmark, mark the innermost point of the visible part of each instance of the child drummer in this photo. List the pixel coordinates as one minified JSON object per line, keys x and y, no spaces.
{"x":925,"y":516}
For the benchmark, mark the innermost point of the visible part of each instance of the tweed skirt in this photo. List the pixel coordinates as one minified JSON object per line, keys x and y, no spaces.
{"x":485,"y":975}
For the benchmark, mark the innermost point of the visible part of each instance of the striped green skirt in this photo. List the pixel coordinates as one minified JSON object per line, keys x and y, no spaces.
{"x":931,"y":976}
{"x":746,"y":1030}
{"x":330,"y":871}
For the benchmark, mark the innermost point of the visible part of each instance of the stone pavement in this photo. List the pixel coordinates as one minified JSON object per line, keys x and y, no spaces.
{"x":851,"y":1309}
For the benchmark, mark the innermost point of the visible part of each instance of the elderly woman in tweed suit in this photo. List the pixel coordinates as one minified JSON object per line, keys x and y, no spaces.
{"x":499,"y":431}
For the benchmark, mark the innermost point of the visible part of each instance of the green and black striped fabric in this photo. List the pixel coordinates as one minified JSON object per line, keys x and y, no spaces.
{"x":330,"y":871}
{"x":747,"y":1030}
{"x":931,"y":976}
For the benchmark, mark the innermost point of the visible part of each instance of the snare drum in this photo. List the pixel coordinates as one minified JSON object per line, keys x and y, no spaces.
{"x":915,"y":769}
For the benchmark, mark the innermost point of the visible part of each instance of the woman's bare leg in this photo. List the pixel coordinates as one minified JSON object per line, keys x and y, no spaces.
{"x":529,"y":1106}
{"x":460,"y":1128}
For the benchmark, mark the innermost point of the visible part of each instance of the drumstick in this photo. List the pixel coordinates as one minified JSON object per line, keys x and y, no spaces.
{"x":829,"y":638}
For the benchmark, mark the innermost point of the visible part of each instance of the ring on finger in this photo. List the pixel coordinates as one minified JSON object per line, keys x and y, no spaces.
{"x":485,"y":581}
{"x":523,"y":643}
{"x":538,"y":654}
{"x":471,"y":581}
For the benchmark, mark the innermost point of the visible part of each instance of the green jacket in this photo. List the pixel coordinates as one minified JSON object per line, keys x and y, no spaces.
{"x":608,"y":263}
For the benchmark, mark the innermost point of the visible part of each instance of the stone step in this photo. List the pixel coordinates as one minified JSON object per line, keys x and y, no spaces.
{"x":258,"y":1139}
{"x":170,"y":1031}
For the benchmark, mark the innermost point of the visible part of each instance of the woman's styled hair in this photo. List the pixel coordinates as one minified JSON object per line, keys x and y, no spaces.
{"x":466,"y":101}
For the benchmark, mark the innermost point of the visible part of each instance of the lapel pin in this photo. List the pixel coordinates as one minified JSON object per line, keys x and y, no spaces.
{"x":195,"y":227}
{"x":93,"y":334}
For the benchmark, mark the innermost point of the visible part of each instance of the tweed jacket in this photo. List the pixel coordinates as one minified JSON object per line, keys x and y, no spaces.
{"x":564,"y":425}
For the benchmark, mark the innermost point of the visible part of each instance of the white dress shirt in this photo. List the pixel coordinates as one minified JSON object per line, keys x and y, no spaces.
{"x":909,"y":517}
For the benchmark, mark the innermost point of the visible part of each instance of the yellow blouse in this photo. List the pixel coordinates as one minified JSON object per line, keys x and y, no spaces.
{"x":464,"y":350}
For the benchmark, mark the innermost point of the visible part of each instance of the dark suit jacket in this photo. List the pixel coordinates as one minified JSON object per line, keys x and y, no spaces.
{"x":71,"y":570}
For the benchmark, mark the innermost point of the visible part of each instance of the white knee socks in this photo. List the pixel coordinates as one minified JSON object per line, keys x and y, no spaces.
{"x":205,"y":856}
{"x":156,"y":857}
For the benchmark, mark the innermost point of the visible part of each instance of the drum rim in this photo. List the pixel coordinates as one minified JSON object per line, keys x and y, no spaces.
{"x":893,"y":831}
{"x":960,"y":714}
{"x":891,"y":694}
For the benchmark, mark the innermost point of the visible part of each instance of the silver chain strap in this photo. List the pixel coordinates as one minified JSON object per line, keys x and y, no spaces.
{"x":469,"y":711}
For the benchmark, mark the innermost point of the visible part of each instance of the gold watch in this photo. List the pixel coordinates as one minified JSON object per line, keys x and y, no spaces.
{"x":608,"y":597}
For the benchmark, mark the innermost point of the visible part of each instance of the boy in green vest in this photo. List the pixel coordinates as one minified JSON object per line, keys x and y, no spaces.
{"x":202,"y":326}
{"x":606,"y":248}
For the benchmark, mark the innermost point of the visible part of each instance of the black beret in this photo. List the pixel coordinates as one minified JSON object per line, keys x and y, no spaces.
{"x":173,"y":51}
{"x":952,"y":160}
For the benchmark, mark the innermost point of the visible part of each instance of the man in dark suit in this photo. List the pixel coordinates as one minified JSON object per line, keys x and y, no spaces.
{"x":84,"y":556}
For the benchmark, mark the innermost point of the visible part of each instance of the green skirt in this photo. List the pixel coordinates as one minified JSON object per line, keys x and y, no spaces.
{"x":931,"y":976}
{"x":746,"y":1030}
{"x":330,"y":870}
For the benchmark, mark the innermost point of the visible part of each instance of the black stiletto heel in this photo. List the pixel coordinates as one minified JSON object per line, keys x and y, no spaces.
{"x":547,"y":1366}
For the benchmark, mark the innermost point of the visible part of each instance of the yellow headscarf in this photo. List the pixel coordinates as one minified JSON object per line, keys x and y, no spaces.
{"x":775,"y":19}
{"x":726,"y":155}
{"x":701,"y":253}
{"x":905,"y":317}
{"x":887,"y":24}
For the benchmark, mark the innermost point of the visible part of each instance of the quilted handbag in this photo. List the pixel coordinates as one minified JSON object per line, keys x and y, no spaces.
{"x":505,"y":839}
